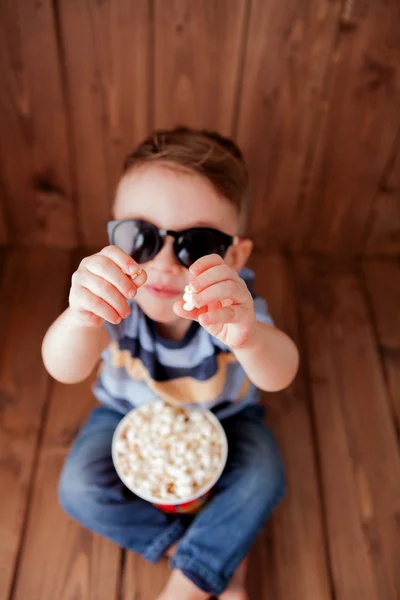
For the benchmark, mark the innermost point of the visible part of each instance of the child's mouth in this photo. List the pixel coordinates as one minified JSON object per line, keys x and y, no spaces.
{"x":162,"y":292}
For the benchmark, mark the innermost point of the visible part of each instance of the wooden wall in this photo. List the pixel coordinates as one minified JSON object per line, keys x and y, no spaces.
{"x":310,"y":90}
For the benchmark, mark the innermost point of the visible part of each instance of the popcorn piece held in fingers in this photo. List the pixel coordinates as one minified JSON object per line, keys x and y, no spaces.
{"x":188,"y":298}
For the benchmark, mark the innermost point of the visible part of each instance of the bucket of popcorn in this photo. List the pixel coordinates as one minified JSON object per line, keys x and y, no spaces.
{"x":170,"y":456}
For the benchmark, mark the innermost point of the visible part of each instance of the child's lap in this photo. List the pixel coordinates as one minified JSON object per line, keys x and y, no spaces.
{"x":252,"y":449}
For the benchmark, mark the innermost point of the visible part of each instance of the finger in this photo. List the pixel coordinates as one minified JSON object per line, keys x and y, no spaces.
{"x":121,"y":258}
{"x":213,"y":275}
{"x":231,"y":289}
{"x":126,"y":263}
{"x":205,"y":262}
{"x":104,"y":267}
{"x":105,"y":290}
{"x":230,"y":314}
{"x":90,"y":318}
{"x":85,"y":300}
{"x":187,"y":314}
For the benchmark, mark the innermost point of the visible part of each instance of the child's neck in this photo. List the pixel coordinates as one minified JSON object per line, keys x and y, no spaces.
{"x":173,"y":331}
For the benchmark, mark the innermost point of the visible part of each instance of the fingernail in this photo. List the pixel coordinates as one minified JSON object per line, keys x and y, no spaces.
{"x":135,"y":274}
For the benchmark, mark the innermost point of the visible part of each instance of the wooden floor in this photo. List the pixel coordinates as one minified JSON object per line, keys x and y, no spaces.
{"x":337,"y":534}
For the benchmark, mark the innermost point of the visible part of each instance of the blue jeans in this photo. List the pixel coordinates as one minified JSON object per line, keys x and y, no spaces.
{"x":213,"y":542}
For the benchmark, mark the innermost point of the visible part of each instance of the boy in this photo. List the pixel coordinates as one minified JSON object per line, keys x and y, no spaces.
{"x":179,"y":209}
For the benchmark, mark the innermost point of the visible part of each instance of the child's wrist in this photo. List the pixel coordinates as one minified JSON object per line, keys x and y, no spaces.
{"x":76,"y":321}
{"x":251,"y":339}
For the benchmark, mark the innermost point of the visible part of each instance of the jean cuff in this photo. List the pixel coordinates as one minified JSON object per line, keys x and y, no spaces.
{"x":199,"y":573}
{"x":160,"y":545}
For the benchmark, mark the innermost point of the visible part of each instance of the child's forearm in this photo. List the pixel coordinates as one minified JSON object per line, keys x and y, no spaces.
{"x":270,"y":358}
{"x":70,"y":350}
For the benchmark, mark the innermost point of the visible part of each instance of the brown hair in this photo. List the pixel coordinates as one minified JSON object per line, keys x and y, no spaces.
{"x":211,"y":155}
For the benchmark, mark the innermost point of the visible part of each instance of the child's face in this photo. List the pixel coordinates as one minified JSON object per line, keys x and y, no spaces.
{"x":171,"y":200}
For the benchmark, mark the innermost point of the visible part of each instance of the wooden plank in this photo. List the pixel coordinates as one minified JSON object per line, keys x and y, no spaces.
{"x":361,"y":117}
{"x":383,"y":235}
{"x":4,"y":233}
{"x":288,"y":47}
{"x":142,"y":579}
{"x":383,"y":284}
{"x":261,"y":578}
{"x":197,"y":49}
{"x":293,"y":541}
{"x":107,"y":49}
{"x":3,"y":254}
{"x":356,"y":437}
{"x":73,"y":562}
{"x":33,"y":285}
{"x":33,"y":144}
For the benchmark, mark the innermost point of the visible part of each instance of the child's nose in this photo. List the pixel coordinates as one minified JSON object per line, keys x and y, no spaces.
{"x":166,"y":258}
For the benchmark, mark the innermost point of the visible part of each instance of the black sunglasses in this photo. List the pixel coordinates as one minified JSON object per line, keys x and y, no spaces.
{"x":143,"y":240}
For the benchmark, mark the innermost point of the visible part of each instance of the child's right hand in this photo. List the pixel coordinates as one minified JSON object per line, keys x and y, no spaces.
{"x":101,"y":286}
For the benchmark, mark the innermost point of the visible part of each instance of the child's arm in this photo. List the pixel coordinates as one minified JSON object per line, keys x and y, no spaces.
{"x":225,"y":308}
{"x":99,"y":292}
{"x":269,"y":357}
{"x":71,"y":350}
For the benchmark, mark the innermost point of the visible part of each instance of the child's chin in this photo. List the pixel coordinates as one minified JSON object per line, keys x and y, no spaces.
{"x":159,"y":310}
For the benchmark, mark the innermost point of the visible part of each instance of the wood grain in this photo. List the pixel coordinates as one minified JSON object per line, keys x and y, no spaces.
{"x":141,"y":579}
{"x":383,"y":234}
{"x":106,"y":52}
{"x":32,"y":288}
{"x":4,"y":234}
{"x":3,"y":254}
{"x":261,"y":577}
{"x":383,"y":284}
{"x":360,"y":118}
{"x":197,"y":48}
{"x":74,"y":563}
{"x":34,"y":153}
{"x":288,"y":47}
{"x":356,"y":436}
{"x":5,"y":231}
{"x":297,"y":547}
{"x":60,"y":559}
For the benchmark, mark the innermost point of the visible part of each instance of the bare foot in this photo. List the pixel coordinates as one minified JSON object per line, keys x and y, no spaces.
{"x":171,"y":551}
{"x":180,"y":587}
{"x":235,"y":589}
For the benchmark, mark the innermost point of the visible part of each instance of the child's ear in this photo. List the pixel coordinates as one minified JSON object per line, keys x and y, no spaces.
{"x":238,"y":254}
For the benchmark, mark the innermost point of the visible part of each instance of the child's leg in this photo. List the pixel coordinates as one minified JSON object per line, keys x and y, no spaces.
{"x":91,"y":492}
{"x":251,"y":486}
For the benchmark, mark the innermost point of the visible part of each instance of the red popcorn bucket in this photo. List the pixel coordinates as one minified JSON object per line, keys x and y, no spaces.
{"x":193,"y":503}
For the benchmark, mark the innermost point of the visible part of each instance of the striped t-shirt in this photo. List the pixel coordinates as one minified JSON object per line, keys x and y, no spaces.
{"x":140,"y":365}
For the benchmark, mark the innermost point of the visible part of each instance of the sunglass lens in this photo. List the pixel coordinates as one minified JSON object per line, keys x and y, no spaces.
{"x":138,"y":239}
{"x":194,"y":244}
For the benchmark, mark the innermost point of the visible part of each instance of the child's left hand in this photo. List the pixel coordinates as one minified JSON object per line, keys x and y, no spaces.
{"x":225,"y":306}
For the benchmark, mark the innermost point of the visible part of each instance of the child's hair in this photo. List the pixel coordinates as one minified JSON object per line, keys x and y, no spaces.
{"x":215,"y":157}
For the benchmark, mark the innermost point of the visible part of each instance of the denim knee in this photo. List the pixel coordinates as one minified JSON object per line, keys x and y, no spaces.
{"x":77,"y":497}
{"x":262,"y":480}
{"x":271,"y":480}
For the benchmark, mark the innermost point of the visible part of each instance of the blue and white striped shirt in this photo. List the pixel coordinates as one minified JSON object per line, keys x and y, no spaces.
{"x":140,"y":365}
